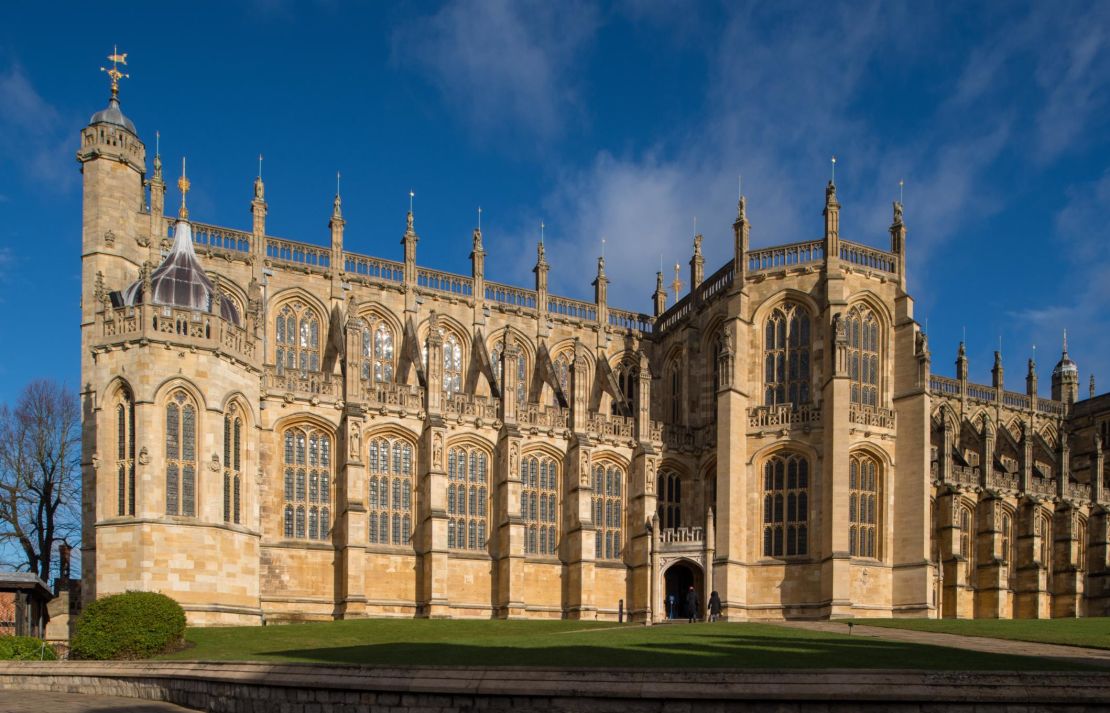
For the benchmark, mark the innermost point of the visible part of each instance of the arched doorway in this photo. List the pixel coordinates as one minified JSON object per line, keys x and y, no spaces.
{"x":677,"y":580}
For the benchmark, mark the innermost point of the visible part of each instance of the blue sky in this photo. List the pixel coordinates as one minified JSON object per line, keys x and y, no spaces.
{"x":624,"y":120}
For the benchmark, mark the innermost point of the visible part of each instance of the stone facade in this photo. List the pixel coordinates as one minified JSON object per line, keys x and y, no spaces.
{"x":368,"y":437}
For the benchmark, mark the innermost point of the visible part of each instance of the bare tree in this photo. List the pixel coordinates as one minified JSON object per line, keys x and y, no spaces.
{"x":40,"y":478}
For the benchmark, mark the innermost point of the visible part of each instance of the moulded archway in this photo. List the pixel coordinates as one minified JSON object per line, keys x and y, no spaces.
{"x":677,"y":580}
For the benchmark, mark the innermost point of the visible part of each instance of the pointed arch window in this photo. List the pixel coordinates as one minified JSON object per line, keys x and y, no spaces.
{"x":467,"y":498}
{"x":562,"y":373}
{"x":1009,"y":547}
{"x":608,"y":511}
{"x":297,"y":331}
{"x":670,"y":499}
{"x":1081,"y":544}
{"x":539,"y":504}
{"x":676,"y":391}
{"x":626,"y":382}
{"x":863,"y":356}
{"x":181,"y":455}
{"x":233,"y":464}
{"x":125,"y":453}
{"x":1043,"y":531}
{"x":390,"y":491}
{"x":521,"y":371}
{"x":967,"y":538}
{"x":863,"y":506}
{"x":786,"y":505}
{"x":377,"y":351}
{"x":307,"y":482}
{"x":786,"y":356}
{"x":452,"y":364}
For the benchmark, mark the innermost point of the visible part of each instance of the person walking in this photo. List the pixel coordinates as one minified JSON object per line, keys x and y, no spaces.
{"x":714,"y":606}
{"x":692,"y":604}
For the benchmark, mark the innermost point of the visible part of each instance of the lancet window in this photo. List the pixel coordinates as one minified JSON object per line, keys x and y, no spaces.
{"x":377,"y":351}
{"x":233,"y":464}
{"x":390,"y":491}
{"x":626,"y":382}
{"x":125,"y":453}
{"x":1043,"y":530}
{"x":521,"y":371}
{"x":675,"y":380}
{"x":452,"y":364}
{"x":307,"y":483}
{"x":181,"y":455}
{"x":786,"y":505}
{"x":670,"y":499}
{"x":298,"y":339}
{"x":1081,"y":545}
{"x":539,"y":504}
{"x":863,"y":356}
{"x":1009,"y":548}
{"x":467,"y":498}
{"x":786,"y":356}
{"x":967,"y":537}
{"x":562,"y":373}
{"x":863,"y":506}
{"x":608,"y":505}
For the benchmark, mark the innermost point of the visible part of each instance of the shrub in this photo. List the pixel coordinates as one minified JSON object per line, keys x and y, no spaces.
{"x":133,"y":625}
{"x":26,"y":648}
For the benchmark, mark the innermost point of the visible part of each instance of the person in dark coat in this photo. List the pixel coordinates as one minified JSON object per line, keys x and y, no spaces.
{"x":692,"y":604}
{"x":714,"y":606}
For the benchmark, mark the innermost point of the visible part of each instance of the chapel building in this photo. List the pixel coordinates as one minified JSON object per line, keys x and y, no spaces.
{"x":276,"y":430}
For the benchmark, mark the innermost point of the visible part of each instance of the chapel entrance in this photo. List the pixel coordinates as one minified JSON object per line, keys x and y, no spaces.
{"x":677,"y":581}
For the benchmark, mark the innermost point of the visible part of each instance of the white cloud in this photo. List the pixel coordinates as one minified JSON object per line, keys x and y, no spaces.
{"x":33,"y":137}
{"x":504,"y":65}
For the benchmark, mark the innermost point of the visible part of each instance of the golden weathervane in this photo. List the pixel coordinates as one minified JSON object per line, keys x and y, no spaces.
{"x":183,"y":185}
{"x":116,"y":59}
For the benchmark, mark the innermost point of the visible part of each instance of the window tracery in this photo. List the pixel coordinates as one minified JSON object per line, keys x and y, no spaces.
{"x":307,"y":483}
{"x":562,"y":373}
{"x":863,"y":504}
{"x":863,"y":356}
{"x":539,"y":504}
{"x":297,"y":331}
{"x":390,"y":491}
{"x":233,"y":464}
{"x":125,"y":453}
{"x":608,"y":504}
{"x":521,"y":371}
{"x":467,"y":498}
{"x":626,"y":382}
{"x":786,"y":356}
{"x":377,"y":351}
{"x":967,"y":537}
{"x":181,"y":455}
{"x":786,"y":505}
{"x":669,"y":492}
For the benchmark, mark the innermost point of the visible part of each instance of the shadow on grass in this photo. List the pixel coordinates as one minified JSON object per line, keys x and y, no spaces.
{"x":715,"y":650}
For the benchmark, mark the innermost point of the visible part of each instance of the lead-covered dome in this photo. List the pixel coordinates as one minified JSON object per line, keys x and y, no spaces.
{"x":112,"y":114}
{"x":180,"y":281}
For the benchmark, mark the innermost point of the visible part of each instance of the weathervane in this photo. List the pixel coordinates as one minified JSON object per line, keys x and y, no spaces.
{"x":183,"y":185}
{"x":116,"y":59}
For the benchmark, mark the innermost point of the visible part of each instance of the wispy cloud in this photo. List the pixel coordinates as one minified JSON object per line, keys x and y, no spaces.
{"x":33,"y":138}
{"x":504,"y":65}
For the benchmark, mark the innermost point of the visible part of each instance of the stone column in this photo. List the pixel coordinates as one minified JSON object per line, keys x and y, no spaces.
{"x":509,"y":542}
{"x":736,"y":542}
{"x":579,"y":539}
{"x":349,"y":530}
{"x":431,"y":546}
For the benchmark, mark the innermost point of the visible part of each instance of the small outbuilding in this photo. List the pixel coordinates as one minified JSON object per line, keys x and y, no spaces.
{"x":23,"y":602}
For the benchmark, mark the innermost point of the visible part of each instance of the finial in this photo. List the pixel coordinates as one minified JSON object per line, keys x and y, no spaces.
{"x":183,"y":185}
{"x":157,"y":155}
{"x":411,"y":196}
{"x":338,"y":200}
{"x":677,"y":284}
{"x":833,"y":179}
{"x":116,"y":59}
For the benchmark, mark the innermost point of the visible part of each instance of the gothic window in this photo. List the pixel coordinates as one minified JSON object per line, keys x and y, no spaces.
{"x":233,"y":464}
{"x":521,"y":371}
{"x":181,"y":455}
{"x":539,"y":503}
{"x":1009,"y":548}
{"x":967,"y":537}
{"x":863,"y":506}
{"x":125,"y":453}
{"x":377,"y":351}
{"x":307,"y":483}
{"x":626,"y":381}
{"x":1044,"y":532}
{"x":452,"y":364}
{"x":467,"y":498}
{"x":390,"y":491}
{"x":786,"y":367}
{"x":298,"y":339}
{"x":863,"y":356}
{"x":608,"y":504}
{"x":1081,"y":545}
{"x":562,"y":373}
{"x":676,"y":392}
{"x":670,"y":499}
{"x":786,"y":505}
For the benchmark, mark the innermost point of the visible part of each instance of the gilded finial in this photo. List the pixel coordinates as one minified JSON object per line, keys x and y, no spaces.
{"x":114,"y":74}
{"x":183,"y":186}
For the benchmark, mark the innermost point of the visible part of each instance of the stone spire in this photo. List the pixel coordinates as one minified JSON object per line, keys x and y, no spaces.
{"x":157,"y":204}
{"x":996,"y":371}
{"x":1065,"y":377}
{"x":660,"y":295}
{"x":961,"y":363}
{"x":898,"y":240}
{"x":1031,"y":378}
{"x":697,"y":264}
{"x":335,"y":225}
{"x":409,"y":241}
{"x":832,"y":222}
{"x":741,"y":232}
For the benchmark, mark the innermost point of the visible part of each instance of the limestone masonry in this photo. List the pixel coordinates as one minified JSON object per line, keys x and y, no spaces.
{"x":275,"y":430}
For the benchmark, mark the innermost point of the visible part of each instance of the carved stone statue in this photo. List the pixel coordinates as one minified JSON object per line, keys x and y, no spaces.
{"x":355,"y":441}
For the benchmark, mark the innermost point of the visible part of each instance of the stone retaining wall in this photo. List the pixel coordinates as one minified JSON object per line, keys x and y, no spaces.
{"x":266,"y":688}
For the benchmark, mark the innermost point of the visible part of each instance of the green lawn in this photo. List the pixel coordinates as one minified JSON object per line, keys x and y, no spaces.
{"x":1093,"y":632}
{"x":568,"y":643}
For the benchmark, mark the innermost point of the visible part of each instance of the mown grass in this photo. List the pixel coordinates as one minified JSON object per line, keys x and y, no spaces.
{"x":579,"y":644}
{"x":1091,"y":632}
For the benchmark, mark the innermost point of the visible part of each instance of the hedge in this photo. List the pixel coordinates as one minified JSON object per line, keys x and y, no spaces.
{"x":133,"y":625}
{"x":25,"y":648}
